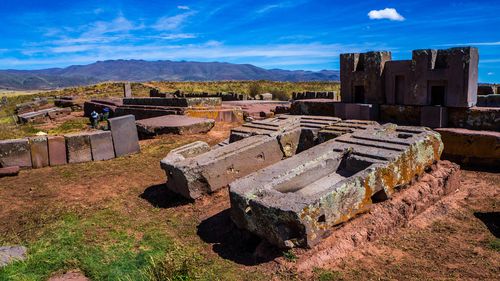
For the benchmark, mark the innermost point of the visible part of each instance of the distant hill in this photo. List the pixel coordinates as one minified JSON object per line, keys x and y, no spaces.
{"x":140,"y":70}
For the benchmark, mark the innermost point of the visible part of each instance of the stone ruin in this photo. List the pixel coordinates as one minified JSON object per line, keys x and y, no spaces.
{"x":436,"y":89}
{"x":292,"y":178}
{"x":144,"y":107}
{"x":42,"y":151}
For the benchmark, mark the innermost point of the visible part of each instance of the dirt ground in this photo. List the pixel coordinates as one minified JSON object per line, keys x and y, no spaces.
{"x":456,"y":238}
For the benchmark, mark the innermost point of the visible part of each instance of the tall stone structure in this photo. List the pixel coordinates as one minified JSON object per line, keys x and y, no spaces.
{"x":431,"y":78}
{"x":361,"y":77}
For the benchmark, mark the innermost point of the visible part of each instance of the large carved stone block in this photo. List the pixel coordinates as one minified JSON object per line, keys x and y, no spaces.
{"x":15,"y":153}
{"x":78,"y":148}
{"x":39,"y":152}
{"x":124,"y":132}
{"x":101,"y":143}
{"x":297,"y":201}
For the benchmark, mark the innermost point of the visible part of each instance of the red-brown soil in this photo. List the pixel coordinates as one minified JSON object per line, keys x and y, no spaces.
{"x":449,"y":240}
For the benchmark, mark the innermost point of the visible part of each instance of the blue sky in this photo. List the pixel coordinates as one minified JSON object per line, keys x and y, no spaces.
{"x":272,"y":34}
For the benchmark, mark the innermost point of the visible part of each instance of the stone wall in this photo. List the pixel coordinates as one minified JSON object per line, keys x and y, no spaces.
{"x":42,"y":151}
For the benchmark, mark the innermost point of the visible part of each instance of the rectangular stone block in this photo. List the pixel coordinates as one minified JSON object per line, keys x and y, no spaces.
{"x":15,"y":153}
{"x":127,"y":90}
{"x":39,"y":152}
{"x":357,"y":111}
{"x":125,"y":137}
{"x":297,"y":201}
{"x":471,"y":147}
{"x":78,"y":148}
{"x":101,"y":144}
{"x":434,"y":116}
{"x":57,"y":150}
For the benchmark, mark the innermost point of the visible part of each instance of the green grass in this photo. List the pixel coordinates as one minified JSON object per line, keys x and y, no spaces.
{"x":290,"y":255}
{"x":70,"y":126}
{"x":321,"y":274}
{"x":494,"y":244}
{"x":98,"y":245}
{"x":108,"y":246}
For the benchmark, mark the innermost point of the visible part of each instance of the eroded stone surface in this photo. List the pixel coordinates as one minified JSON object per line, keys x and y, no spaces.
{"x":295,"y":202}
{"x":15,"y":153}
{"x":78,"y":148}
{"x":57,"y":150}
{"x":39,"y":152}
{"x":101,"y":143}
{"x":125,"y":137}
{"x":9,"y":254}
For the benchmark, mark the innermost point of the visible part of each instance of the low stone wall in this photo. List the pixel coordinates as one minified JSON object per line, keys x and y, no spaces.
{"x":474,"y":118}
{"x":487,"y":89}
{"x":43,"y":151}
{"x":488,"y":101}
{"x":316,"y":95}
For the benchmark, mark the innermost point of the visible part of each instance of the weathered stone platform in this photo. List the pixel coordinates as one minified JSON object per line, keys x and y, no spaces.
{"x":173,"y":124}
{"x":295,"y":202}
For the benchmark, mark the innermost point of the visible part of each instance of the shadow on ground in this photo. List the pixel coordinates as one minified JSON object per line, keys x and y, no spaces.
{"x":235,"y":244}
{"x":160,"y":197}
{"x":491,"y":220}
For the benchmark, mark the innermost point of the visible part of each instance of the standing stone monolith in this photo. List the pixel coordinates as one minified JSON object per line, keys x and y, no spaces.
{"x":127,"y":90}
{"x":124,"y":132}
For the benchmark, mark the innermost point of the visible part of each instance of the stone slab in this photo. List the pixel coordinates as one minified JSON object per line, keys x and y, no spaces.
{"x":180,"y":102}
{"x":208,"y":172}
{"x":78,"y":148}
{"x":297,"y":201}
{"x":15,"y":153}
{"x":57,"y":150}
{"x":125,"y":137}
{"x":101,"y":143}
{"x":174,"y":124}
{"x":323,"y":107}
{"x":471,"y":148}
{"x":9,"y":171}
{"x":127,"y":90}
{"x":39,"y":152}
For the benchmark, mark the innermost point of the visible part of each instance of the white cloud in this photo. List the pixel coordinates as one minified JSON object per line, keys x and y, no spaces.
{"x":497,"y":43}
{"x":490,"y":73}
{"x":183,"y":7}
{"x":173,"y":22}
{"x":387,"y":13}
{"x":177,"y":36}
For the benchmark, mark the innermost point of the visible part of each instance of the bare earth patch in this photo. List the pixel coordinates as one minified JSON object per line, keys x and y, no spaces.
{"x":451,"y":239}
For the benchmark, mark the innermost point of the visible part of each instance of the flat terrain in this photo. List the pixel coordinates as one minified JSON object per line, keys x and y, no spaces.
{"x":114,"y":220}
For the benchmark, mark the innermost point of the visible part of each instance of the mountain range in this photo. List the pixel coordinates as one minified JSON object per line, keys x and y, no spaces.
{"x":140,"y":70}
